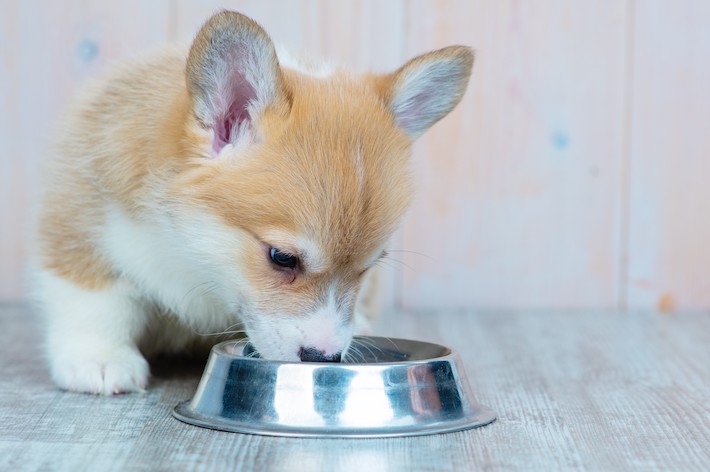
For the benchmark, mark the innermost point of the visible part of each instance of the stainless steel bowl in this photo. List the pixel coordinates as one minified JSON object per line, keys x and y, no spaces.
{"x":397,"y":387}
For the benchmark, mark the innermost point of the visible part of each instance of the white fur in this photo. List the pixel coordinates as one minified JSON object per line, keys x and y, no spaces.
{"x":315,"y":68}
{"x":92,"y":337}
{"x":156,"y":257}
{"x":172,"y":269}
{"x":326,"y":329}
{"x":178,"y":269}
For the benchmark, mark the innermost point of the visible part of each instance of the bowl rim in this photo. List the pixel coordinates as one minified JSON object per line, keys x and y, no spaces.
{"x":450,"y":354}
{"x":184,"y":412}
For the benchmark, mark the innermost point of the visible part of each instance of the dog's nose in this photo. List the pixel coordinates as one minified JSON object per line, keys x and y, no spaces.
{"x":311,"y":354}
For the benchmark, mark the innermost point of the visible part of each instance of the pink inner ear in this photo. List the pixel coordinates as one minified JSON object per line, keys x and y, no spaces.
{"x":236,"y":116}
{"x":415,"y":110}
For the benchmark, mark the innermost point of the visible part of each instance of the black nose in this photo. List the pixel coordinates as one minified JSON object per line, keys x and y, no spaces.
{"x":311,"y":354}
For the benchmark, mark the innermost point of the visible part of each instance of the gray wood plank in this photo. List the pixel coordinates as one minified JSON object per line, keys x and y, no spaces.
{"x":574,"y":391}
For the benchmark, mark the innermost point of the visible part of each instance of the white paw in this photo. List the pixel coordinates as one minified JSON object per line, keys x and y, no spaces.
{"x":106,"y":372}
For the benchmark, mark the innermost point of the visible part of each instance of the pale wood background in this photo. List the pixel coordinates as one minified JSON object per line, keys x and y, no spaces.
{"x":575,"y":174}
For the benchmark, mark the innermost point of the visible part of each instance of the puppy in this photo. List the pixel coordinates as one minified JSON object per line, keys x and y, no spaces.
{"x":230,"y":190}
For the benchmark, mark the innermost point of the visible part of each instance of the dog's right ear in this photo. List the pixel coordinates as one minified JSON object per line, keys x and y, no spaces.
{"x":232,"y":75}
{"x":428,"y":87}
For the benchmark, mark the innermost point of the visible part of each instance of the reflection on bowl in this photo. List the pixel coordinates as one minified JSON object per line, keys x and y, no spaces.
{"x":398,"y":387}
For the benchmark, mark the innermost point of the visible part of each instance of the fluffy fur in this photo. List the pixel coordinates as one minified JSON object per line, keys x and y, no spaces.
{"x":176,"y":176}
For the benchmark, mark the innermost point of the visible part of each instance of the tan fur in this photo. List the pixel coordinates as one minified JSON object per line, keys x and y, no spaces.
{"x":124,"y":160}
{"x":326,"y":163}
{"x":123,"y":129}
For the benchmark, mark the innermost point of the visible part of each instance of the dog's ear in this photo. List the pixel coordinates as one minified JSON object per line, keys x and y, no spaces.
{"x":428,"y":87}
{"x":232,"y":75}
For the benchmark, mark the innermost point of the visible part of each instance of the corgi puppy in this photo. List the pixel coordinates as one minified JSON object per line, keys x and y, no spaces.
{"x":226,"y":189}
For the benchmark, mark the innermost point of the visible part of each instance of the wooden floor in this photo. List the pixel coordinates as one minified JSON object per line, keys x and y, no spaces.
{"x":573,"y":391}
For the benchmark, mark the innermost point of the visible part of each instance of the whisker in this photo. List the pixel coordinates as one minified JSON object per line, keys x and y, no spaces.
{"x":352,"y":354}
{"x":401,"y":263}
{"x":235,"y":344}
{"x":195,"y":288}
{"x":389,"y":251}
{"x":232,"y":329}
{"x":361,"y":354}
{"x":211,"y":288}
{"x":385,"y":265}
{"x":361,"y":344}
{"x":391,"y":342}
{"x":371,"y":345}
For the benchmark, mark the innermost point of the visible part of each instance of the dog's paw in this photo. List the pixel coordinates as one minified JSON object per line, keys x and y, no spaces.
{"x":108,"y":372}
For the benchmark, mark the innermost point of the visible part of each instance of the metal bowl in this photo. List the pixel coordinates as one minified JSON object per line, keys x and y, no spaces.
{"x":397,"y":387}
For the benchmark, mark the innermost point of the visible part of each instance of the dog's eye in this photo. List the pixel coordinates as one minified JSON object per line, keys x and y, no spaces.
{"x":283,"y":259}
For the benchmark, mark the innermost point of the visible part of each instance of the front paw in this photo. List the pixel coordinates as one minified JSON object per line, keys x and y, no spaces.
{"x":103,"y":371}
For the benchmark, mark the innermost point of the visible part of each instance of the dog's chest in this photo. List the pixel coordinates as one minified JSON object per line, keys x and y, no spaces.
{"x":162,"y":272}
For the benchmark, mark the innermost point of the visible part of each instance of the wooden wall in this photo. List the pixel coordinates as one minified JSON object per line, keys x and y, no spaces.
{"x":575,"y":174}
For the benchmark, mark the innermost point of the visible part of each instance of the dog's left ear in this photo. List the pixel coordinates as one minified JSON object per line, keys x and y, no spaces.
{"x":232,"y":76}
{"x":428,"y":87}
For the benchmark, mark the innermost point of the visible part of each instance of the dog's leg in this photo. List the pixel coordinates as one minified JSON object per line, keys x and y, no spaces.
{"x":92,"y":337}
